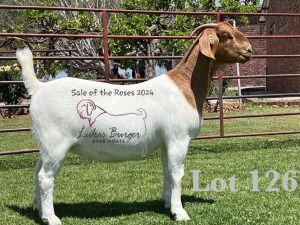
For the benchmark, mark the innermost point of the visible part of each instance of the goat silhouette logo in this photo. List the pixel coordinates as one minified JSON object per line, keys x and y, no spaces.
{"x":108,"y":128}
{"x":87,"y":109}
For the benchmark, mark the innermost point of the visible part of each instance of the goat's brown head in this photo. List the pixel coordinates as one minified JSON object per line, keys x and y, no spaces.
{"x":223,"y":43}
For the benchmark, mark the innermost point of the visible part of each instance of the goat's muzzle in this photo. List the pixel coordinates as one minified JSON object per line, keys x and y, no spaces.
{"x":245,"y":55}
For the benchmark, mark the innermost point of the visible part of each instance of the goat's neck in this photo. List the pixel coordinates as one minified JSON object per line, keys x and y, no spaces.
{"x":193,"y":76}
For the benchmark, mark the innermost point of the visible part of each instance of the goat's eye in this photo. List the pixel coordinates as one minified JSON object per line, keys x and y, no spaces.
{"x":225,"y":35}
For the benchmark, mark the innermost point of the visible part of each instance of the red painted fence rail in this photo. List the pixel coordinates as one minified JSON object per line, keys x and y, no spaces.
{"x":105,"y":37}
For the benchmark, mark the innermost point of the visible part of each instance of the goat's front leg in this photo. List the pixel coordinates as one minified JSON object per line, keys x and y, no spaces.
{"x":176,"y":155}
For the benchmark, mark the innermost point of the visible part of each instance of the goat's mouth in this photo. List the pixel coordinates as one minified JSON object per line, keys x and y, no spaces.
{"x":244,"y":57}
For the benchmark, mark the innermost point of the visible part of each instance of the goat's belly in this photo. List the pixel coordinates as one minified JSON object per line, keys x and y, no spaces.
{"x":112,"y":151}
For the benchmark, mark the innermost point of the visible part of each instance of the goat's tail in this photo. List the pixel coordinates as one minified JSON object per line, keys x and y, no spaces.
{"x":142,"y":112}
{"x":25,"y":59}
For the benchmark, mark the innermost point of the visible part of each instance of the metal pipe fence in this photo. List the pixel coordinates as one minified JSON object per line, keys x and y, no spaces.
{"x":105,"y":36}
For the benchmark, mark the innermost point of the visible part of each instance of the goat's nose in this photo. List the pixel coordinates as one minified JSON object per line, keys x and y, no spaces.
{"x":249,"y":50}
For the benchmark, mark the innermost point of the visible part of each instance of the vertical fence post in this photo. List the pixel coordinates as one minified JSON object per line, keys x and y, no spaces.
{"x":221,"y":108}
{"x":218,"y":17}
{"x":71,"y":65}
{"x":105,"y":45}
{"x":220,"y":87}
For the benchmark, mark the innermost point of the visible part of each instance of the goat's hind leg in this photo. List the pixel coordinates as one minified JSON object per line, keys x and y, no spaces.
{"x":166,"y":194}
{"x":51,"y":162}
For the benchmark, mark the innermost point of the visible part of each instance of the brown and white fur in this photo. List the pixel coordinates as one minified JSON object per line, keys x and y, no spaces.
{"x":171,"y":107}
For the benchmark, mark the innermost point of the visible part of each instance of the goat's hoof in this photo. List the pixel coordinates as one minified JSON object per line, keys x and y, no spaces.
{"x":53,"y":220}
{"x":181,"y":215}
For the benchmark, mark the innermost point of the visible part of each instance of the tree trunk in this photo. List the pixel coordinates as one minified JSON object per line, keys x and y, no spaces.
{"x":150,"y":63}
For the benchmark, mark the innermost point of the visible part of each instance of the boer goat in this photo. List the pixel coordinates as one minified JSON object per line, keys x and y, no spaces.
{"x":114,"y":123}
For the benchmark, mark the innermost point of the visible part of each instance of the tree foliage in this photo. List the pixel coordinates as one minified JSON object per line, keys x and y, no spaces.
{"x":11,"y":94}
{"x":65,"y":22}
{"x":48,"y":21}
{"x":61,"y":22}
{"x":164,"y":24}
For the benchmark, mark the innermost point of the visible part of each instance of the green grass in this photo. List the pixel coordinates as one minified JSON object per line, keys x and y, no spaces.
{"x":88,"y":192}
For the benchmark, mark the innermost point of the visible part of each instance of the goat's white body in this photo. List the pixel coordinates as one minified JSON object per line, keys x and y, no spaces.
{"x":109,"y":128}
{"x":55,"y":118}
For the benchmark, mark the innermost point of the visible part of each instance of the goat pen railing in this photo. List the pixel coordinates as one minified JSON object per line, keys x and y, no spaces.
{"x":106,"y":58}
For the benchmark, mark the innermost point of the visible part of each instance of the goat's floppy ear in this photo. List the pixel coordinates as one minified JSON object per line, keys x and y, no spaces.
{"x":208,"y":43}
{"x":90,"y":107}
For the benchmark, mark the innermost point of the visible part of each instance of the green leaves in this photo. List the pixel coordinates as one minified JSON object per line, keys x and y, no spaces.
{"x":52,"y":21}
{"x":11,"y":94}
{"x":69,"y":22}
{"x":73,"y":22}
{"x":239,"y":6}
{"x":178,"y":25}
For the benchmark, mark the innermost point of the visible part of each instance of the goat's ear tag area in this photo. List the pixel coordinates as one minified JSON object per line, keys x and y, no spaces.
{"x":211,"y":39}
{"x":209,"y":43}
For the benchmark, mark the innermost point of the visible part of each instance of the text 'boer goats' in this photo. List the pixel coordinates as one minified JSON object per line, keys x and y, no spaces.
{"x":114,"y":123}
